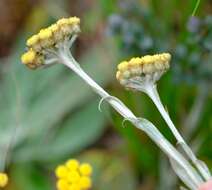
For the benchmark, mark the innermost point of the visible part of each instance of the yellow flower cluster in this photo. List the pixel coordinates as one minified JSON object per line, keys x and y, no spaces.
{"x":3,"y":179}
{"x":48,"y":38}
{"x":141,"y":66}
{"x":32,"y":59}
{"x":74,"y":176}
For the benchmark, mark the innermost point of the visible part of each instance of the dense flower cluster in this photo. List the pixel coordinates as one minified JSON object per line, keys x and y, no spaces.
{"x":47,"y":39}
{"x":74,"y":176}
{"x":139,"y":67}
{"x":3,"y":179}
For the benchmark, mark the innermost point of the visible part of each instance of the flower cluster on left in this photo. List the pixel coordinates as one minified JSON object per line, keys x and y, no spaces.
{"x":41,"y":45}
{"x":74,"y":176}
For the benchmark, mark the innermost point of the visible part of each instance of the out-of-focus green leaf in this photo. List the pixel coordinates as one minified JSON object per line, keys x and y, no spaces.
{"x":79,"y":130}
{"x":110,"y":171}
{"x":28,"y":177}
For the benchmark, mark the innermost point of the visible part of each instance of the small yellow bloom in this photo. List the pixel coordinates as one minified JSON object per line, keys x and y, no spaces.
{"x":61,"y":171}
{"x":73,"y":176}
{"x":28,"y":57}
{"x":134,"y":61}
{"x":72,"y":164}
{"x":85,"y":182}
{"x":54,"y":28}
{"x":45,"y":34}
{"x":3,"y":180}
{"x":62,"y":184}
{"x":63,"y":21}
{"x":74,"y":20}
{"x":74,"y":187}
{"x":123,"y":66}
{"x":85,"y":169}
{"x":32,"y":40}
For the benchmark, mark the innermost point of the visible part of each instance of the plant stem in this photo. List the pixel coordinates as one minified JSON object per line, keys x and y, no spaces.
{"x":152,"y":92}
{"x":196,"y":7}
{"x":194,"y":178}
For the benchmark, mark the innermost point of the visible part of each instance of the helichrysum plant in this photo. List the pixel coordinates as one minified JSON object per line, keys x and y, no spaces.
{"x":74,"y":176}
{"x":52,"y":45}
{"x":141,"y":74}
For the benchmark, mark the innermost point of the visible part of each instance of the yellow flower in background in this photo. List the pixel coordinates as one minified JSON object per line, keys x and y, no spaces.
{"x":3,"y":179}
{"x":85,"y":169}
{"x":72,"y":164}
{"x":61,"y":171}
{"x":85,"y":182}
{"x":74,"y":176}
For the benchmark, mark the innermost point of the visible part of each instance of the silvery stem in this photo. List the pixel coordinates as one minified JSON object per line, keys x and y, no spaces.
{"x":192,"y":178}
{"x":151,"y":90}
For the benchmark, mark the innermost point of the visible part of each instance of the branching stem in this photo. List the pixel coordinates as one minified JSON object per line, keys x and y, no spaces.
{"x":193,"y":180}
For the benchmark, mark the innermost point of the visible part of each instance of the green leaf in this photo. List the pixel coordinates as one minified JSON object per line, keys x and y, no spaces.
{"x":110,"y":170}
{"x":29,"y":177}
{"x":80,"y":130}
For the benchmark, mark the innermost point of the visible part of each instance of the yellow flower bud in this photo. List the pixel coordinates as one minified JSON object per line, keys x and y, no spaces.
{"x":74,"y":20}
{"x":73,"y":176}
{"x":74,"y":187}
{"x":32,"y":40}
{"x":3,"y":179}
{"x":61,"y":171}
{"x":85,"y":169}
{"x":45,"y":34}
{"x":63,"y":21}
{"x":62,"y":184}
{"x":72,"y":164}
{"x":28,"y":57}
{"x":123,"y":66}
{"x":54,"y":28}
{"x":85,"y":182}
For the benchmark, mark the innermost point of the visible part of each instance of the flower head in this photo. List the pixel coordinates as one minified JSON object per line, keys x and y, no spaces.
{"x":140,"y":70}
{"x":74,"y":176}
{"x":43,"y":45}
{"x":3,"y":179}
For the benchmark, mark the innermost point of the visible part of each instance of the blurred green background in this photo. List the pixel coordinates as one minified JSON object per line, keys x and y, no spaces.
{"x":50,"y":115}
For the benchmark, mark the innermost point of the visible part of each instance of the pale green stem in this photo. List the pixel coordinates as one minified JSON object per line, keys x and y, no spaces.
{"x":196,"y":7}
{"x":152,"y":92}
{"x":193,"y":179}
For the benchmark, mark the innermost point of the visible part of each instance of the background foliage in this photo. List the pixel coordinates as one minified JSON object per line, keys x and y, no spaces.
{"x":51,"y":115}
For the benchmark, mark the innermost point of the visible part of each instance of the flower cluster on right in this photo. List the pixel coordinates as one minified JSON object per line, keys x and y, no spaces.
{"x":141,"y":66}
{"x":74,"y":176}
